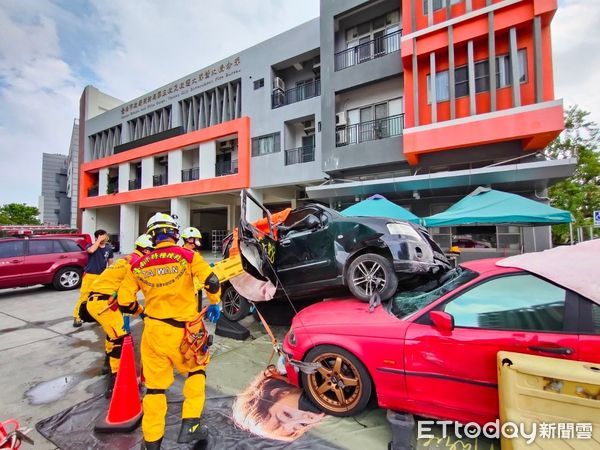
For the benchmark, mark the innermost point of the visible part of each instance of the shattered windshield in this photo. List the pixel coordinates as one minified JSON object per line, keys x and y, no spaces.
{"x":408,"y":302}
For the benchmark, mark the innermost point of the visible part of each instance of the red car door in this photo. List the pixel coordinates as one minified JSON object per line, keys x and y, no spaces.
{"x":453,"y":374}
{"x":589,"y":334}
{"x":43,"y":257}
{"x":11,"y":262}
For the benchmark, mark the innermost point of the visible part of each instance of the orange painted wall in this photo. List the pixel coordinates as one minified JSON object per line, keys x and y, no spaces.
{"x":536,"y":128}
{"x":241,"y":180}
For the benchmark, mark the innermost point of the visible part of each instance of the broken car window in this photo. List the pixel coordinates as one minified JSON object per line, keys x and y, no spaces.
{"x":408,"y":302}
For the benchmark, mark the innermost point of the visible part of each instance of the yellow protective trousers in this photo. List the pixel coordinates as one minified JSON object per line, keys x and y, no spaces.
{"x":113,"y":325}
{"x":84,"y":291}
{"x":160,"y":354}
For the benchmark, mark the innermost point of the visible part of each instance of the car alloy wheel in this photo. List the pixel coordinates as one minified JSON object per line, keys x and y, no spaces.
{"x":369,"y":277}
{"x":336,"y":386}
{"x":231,"y":302}
{"x":69,"y":279}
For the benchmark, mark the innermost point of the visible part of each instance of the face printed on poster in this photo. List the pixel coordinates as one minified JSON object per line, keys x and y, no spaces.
{"x":269,"y":408}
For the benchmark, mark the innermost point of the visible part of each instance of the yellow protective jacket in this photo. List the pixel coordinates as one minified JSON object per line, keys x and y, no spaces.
{"x":109,"y":281}
{"x":166,"y":278}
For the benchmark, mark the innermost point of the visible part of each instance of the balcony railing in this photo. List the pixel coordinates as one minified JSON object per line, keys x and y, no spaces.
{"x":226,"y":168}
{"x":297,"y":94}
{"x":93,"y":191}
{"x":300,"y":155}
{"x":191,"y":174}
{"x":134,"y":184}
{"x":369,"y":131}
{"x":367,"y":51}
{"x":159,"y":180}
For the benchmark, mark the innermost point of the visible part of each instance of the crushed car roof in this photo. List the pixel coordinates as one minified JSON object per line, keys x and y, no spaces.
{"x":575,"y":267}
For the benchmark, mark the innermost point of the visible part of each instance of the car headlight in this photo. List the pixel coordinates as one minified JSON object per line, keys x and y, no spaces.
{"x":291,"y":337}
{"x":403,"y":229}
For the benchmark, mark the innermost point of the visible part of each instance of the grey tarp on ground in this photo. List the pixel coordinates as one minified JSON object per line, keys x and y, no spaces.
{"x":72,"y":429}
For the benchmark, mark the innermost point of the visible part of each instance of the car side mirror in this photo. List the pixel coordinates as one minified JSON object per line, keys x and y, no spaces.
{"x":442,"y":321}
{"x":312,"y":222}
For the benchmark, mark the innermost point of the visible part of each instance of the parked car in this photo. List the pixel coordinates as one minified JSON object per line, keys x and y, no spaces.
{"x":51,"y":260}
{"x":432,"y":351}
{"x":316,"y":252}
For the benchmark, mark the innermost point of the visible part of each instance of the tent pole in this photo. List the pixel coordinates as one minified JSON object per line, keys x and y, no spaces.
{"x":534,"y":242}
{"x":571,"y":233}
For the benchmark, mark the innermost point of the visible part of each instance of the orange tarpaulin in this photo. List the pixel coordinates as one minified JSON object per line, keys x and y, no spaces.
{"x":262,"y":225}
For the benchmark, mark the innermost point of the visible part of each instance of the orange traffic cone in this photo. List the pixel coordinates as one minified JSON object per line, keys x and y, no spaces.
{"x":125,"y":409}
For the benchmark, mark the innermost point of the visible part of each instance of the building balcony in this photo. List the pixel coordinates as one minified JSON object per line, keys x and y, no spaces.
{"x":223,"y":168}
{"x":159,"y":180}
{"x":304,"y":91}
{"x":135,"y":184}
{"x":300,"y":155}
{"x":368,"y":51}
{"x":93,"y":191}
{"x":369,"y":131}
{"x":191,"y":174}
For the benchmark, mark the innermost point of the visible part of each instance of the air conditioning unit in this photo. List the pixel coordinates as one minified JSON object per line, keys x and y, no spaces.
{"x":316,"y":68}
{"x":163,"y":160}
{"x":309,"y":126}
{"x":278,"y":84}
{"x":340,"y":119}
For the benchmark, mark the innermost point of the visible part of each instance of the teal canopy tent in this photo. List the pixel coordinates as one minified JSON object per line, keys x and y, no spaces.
{"x":487,"y":206}
{"x":379,"y":206}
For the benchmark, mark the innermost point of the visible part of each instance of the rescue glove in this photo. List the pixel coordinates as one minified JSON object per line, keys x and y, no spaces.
{"x":213,"y":313}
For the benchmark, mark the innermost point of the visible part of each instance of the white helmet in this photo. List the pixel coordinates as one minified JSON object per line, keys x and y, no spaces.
{"x":144,"y":241}
{"x":191,"y":232}
{"x":163,"y":223}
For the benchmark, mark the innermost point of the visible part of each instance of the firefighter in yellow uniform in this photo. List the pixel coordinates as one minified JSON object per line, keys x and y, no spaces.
{"x":166,"y":278}
{"x":101,"y":305}
{"x":192,"y":241}
{"x":100,"y":256}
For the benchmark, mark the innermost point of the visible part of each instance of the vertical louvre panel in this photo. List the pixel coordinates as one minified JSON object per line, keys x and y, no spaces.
{"x":238,"y":101}
{"x":196,"y":111}
{"x":218,"y":105}
{"x":225,"y":111}
{"x":109,"y":142}
{"x":231,"y":103}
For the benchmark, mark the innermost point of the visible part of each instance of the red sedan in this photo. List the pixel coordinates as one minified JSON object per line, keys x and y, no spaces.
{"x":432,"y":351}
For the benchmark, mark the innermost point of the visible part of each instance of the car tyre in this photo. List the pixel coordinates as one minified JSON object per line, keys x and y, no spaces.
{"x":369,"y":273}
{"x":235,"y":307}
{"x":342,"y":386}
{"x":67,"y":278}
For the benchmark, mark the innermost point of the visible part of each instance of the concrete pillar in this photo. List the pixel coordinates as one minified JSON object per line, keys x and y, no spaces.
{"x":124,"y":177}
{"x":181,"y":208}
{"x":174,"y":167}
{"x":147,"y":172}
{"x":103,"y":181}
{"x":233,"y":218}
{"x":128,"y":227}
{"x":208,"y":159}
{"x":253,"y":212}
{"x":88,"y":221}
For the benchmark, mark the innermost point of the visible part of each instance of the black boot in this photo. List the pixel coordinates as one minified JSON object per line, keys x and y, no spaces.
{"x":191,"y":430}
{"x":110,"y":384}
{"x":106,"y":366}
{"x":154,"y":445}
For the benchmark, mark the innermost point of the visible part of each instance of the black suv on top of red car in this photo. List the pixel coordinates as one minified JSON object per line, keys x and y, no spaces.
{"x":56,"y":260}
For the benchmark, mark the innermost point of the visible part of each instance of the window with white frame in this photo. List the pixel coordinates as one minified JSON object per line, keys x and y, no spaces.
{"x":264,"y":145}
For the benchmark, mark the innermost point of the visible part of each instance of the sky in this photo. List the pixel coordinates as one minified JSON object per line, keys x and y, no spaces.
{"x":51,"y":49}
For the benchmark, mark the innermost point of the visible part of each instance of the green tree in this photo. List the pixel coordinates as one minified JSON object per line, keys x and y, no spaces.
{"x":579,"y":194}
{"x":18,"y":214}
